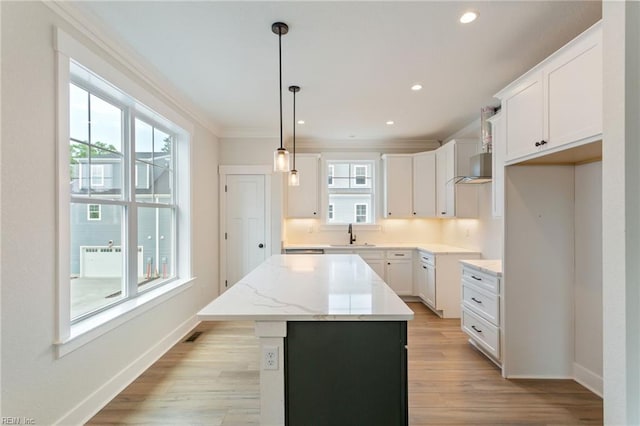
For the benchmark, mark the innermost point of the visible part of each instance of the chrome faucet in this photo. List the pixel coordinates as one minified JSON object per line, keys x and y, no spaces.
{"x":352,"y":238}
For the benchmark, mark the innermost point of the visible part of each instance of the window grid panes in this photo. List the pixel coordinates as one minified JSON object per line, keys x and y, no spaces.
{"x":350,"y":184}
{"x":113,"y":173}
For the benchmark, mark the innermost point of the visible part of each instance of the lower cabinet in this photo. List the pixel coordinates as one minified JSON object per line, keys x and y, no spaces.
{"x":375,"y":259}
{"x":481,"y":313}
{"x":438,"y":281}
{"x":399,"y":274}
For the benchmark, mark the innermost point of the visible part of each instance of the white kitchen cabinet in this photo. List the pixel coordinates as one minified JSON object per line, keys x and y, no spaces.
{"x":481,"y":310}
{"x":426,"y":278}
{"x":439,"y":286}
{"x":398,"y":185}
{"x":303,"y":200}
{"x":375,"y":259}
{"x":497,"y":164}
{"x":452,"y":160}
{"x":557,"y":104}
{"x":399,"y":271}
{"x":424,"y":184}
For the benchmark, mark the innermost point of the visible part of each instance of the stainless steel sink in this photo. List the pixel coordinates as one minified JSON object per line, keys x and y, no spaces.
{"x":352,"y":245}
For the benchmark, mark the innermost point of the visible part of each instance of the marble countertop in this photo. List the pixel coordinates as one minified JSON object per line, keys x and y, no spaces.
{"x":490,"y":266}
{"x":339,"y":287}
{"x":434,"y":248}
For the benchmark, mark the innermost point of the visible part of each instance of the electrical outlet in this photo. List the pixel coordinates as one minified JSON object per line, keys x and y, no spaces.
{"x":269,"y":357}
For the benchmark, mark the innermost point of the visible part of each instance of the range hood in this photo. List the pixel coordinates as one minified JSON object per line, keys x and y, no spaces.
{"x":480,"y":166}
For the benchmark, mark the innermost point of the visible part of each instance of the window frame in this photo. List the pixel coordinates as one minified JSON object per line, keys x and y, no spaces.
{"x":92,"y":175}
{"x":376,"y":186}
{"x":355,"y":167}
{"x":70,"y":336}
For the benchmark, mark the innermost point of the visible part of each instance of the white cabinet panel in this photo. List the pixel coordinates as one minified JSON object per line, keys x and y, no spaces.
{"x":524,"y":109}
{"x":399,"y":277}
{"x":424,"y":184}
{"x":398,"y":191}
{"x":303,"y":199}
{"x":452,"y":160}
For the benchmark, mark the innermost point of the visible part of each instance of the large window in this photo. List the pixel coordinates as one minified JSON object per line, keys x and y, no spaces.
{"x":123,"y":204}
{"x":350,"y":191}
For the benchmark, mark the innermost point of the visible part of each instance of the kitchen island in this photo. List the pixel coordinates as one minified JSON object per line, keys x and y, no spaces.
{"x":333,"y":340}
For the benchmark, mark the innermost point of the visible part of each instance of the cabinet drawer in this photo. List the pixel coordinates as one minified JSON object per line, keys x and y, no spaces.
{"x":370,"y":254}
{"x":486,"y":334}
{"x":426,"y":257}
{"x":399,"y":254}
{"x":482,"y":280}
{"x":482,"y":303}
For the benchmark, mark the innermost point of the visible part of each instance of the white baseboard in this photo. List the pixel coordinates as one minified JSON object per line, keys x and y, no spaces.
{"x":588,"y":379}
{"x":87,"y":408}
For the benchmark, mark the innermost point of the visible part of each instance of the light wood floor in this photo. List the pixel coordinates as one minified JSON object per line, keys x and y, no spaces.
{"x":214,"y":381}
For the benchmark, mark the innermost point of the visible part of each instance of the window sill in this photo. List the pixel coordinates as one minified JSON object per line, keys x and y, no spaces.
{"x":91,"y":328}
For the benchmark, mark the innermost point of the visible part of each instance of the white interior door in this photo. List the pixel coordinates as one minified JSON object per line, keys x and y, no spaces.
{"x":245,"y":233}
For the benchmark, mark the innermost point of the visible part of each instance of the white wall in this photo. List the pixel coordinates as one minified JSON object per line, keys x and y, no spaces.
{"x":588,"y":275}
{"x":311,"y":231}
{"x":483,"y":234}
{"x":35,"y":383}
{"x":621,"y":208}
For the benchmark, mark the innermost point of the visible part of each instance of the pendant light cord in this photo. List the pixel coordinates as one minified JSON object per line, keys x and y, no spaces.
{"x":280,"y":74}
{"x":294,"y":130}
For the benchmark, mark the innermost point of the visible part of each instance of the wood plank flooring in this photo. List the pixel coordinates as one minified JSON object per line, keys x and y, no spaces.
{"x":215,"y":381}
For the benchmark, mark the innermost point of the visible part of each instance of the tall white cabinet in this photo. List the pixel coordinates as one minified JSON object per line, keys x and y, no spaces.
{"x":303,"y":200}
{"x":398,"y":185}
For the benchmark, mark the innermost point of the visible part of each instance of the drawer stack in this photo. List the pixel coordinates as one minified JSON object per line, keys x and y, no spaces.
{"x":481,"y":308}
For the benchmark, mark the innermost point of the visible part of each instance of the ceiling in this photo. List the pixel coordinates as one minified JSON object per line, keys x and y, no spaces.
{"x":354,"y":61}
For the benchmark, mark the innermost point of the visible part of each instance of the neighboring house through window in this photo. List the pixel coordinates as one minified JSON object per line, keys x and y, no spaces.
{"x":350,"y":188}
{"x":360,"y":213}
{"x":94,"y":212}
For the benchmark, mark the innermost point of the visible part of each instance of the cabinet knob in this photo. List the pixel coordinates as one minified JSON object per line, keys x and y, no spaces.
{"x":388,"y":263}
{"x":537,"y":143}
{"x":443,"y":212}
{"x":414,"y":213}
{"x":389,"y":214}
{"x":260,"y":245}
{"x":314,"y":213}
{"x":424,"y":267}
{"x":543,"y":142}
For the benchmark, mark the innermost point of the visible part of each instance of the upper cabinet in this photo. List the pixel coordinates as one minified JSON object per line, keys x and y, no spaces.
{"x":303,"y":200}
{"x":452,"y":160}
{"x":398,"y":182}
{"x":558,"y":104}
{"x":424,"y":184}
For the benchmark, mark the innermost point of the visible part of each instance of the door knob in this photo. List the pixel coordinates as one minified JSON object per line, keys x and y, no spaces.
{"x":260,"y":245}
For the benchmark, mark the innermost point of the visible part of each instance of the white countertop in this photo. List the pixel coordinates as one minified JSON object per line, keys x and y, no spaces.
{"x":433,"y":248}
{"x":339,"y":287}
{"x":490,"y":266}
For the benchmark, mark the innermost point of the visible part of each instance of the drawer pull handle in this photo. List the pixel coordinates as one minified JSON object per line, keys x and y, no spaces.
{"x":476,"y":278}
{"x":398,"y":254}
{"x":474,"y":327}
{"x":476,"y":300}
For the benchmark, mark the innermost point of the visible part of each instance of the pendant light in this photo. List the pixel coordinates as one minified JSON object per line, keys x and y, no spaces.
{"x":281,"y":155}
{"x":294,"y":178}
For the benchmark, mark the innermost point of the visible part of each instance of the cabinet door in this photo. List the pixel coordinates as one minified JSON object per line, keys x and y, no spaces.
{"x":430,"y":285}
{"x":574,"y":93}
{"x":303,"y":199}
{"x":398,"y":274}
{"x":398,"y":186}
{"x":424,"y":184}
{"x":421,"y":280}
{"x":498,"y":156}
{"x":524,"y":118}
{"x":377,"y":266}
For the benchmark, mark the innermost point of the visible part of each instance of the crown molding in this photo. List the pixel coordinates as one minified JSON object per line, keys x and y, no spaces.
{"x":116,"y":48}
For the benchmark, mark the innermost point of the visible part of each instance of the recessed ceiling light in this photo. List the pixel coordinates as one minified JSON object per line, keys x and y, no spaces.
{"x":416,"y":87}
{"x":468,"y":17}
{"x":300,"y":121}
{"x":390,"y":123}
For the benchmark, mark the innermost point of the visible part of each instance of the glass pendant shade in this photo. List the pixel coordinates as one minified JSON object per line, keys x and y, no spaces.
{"x":281,"y":160}
{"x":294,"y":178}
